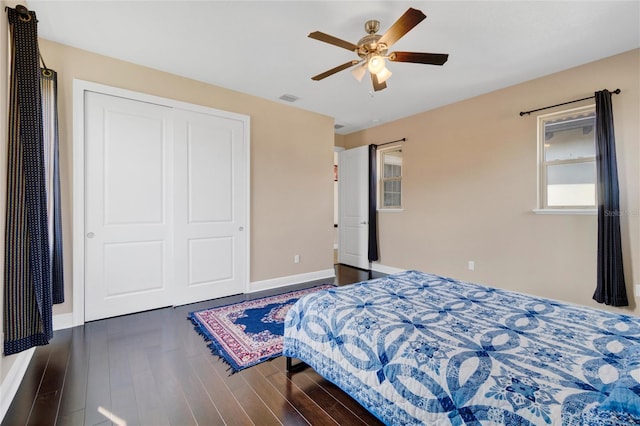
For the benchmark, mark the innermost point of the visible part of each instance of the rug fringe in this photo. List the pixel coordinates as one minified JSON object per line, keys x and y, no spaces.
{"x":212,"y":347}
{"x":198,"y":328}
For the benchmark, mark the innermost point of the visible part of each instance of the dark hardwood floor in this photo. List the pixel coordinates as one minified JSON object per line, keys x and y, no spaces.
{"x":152,"y":368}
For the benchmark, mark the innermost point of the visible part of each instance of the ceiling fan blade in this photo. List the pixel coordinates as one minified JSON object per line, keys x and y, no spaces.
{"x":317,"y":35}
{"x":377,"y":85}
{"x":419,"y":58}
{"x":403,"y":25}
{"x":334,"y":70}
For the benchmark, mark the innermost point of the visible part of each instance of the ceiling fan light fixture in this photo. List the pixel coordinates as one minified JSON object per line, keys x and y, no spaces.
{"x":376,"y":64}
{"x":359,"y":72}
{"x":383,"y":75}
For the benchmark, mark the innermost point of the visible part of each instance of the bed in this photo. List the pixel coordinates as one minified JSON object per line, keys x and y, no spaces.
{"x":417,"y":348}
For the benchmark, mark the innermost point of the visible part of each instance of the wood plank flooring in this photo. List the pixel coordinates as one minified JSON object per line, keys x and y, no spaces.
{"x":152,"y":368}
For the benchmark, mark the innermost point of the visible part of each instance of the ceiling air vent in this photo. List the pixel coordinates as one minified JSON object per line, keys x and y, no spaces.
{"x":289,"y":98}
{"x":338,"y":126}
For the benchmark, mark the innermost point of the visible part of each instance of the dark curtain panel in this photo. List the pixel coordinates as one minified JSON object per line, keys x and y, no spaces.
{"x":373,"y":208}
{"x":611,"y":288}
{"x":27,"y":274}
{"x":49,"y":91}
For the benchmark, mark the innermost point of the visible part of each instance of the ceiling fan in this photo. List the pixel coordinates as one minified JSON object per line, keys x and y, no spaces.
{"x":372,"y":50}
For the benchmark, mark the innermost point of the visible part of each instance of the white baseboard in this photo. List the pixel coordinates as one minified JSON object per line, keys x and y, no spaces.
{"x":385,"y":269}
{"x":11,"y":383}
{"x":62,"y":321}
{"x":290,"y":280}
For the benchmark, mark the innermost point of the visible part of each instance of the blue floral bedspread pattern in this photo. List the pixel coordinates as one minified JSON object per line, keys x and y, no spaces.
{"x":416,"y":348}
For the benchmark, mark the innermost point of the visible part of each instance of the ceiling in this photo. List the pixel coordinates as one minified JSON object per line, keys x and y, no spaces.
{"x":261,"y":48}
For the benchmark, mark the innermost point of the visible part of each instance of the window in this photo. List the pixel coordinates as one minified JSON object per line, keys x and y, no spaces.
{"x":390,"y":172}
{"x":566,"y":143}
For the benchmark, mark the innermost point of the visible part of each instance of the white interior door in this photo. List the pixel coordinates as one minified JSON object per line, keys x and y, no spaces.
{"x":353,"y":205}
{"x":128,"y":211}
{"x":166,"y":205}
{"x":210,"y":207}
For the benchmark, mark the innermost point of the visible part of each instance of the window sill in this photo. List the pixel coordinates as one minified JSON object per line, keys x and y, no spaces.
{"x":588,"y":212}
{"x":390,"y":210}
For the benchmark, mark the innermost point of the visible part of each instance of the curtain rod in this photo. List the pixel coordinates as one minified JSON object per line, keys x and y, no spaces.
{"x":387,"y":143}
{"x":617,"y":91}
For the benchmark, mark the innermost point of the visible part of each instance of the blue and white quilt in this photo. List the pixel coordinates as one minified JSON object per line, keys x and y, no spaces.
{"x":415,"y":348}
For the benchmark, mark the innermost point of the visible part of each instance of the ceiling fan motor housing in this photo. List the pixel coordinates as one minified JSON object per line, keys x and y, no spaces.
{"x":368,"y":44}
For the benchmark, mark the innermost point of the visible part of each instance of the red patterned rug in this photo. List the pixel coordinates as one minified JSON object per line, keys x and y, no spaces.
{"x":249,"y":332}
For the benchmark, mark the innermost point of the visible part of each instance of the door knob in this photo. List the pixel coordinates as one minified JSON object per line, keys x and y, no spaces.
{"x":363,"y":223}
{"x":91,"y":235}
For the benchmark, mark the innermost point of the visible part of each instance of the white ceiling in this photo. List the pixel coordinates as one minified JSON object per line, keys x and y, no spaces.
{"x":262,"y":48}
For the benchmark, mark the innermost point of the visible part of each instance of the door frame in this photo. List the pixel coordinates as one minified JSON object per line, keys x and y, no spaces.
{"x":78,"y":179}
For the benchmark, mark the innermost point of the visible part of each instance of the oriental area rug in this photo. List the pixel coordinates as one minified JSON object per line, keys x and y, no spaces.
{"x":249,"y":332}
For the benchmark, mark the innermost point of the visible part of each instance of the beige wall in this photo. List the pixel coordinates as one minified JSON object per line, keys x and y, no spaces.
{"x":291,"y":162}
{"x":470,"y":186}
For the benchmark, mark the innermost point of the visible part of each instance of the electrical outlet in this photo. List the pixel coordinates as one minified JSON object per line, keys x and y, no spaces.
{"x":471,"y":265}
{"x":296,"y":258}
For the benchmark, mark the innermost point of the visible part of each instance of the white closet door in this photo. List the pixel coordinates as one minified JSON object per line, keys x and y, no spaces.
{"x":166,"y":205}
{"x":210,"y":206}
{"x":129,"y":206}
{"x":353,"y":206}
